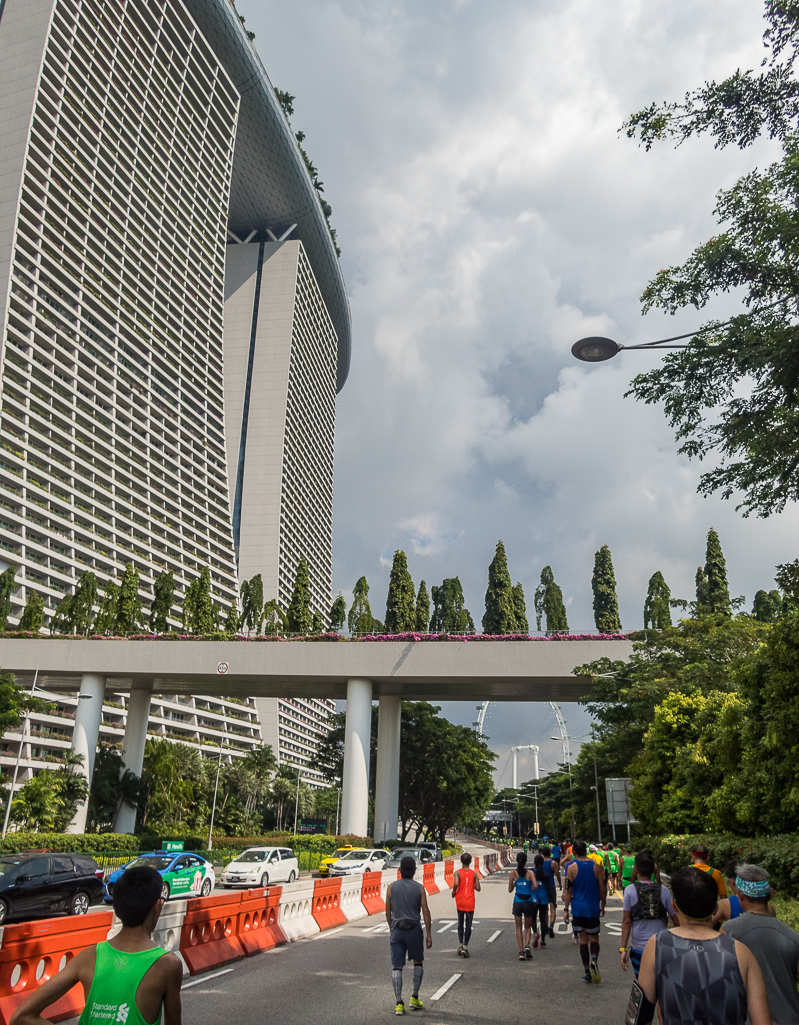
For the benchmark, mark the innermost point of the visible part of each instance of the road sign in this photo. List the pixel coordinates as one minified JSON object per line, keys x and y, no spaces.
{"x":222,"y":668}
{"x":173,"y":845}
{"x":618,"y":793}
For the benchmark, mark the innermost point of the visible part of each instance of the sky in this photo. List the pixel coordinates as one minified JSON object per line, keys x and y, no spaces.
{"x":490,"y":213}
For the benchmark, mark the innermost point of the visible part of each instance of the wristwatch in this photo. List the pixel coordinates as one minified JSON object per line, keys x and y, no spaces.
{"x":623,"y":950}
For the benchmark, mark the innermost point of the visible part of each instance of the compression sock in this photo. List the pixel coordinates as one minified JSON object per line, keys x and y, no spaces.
{"x":584,"y":955}
{"x":418,"y":973}
{"x":467,"y":930}
{"x":594,"y":946}
{"x":396,"y":982}
{"x":461,"y":916}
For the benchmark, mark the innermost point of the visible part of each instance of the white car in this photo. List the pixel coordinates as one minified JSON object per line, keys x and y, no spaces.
{"x":261,"y":866}
{"x":360,"y":861}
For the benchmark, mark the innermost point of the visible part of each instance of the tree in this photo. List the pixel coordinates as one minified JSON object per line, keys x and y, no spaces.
{"x":33,"y":613}
{"x":129,"y":612}
{"x":75,"y":612}
{"x":6,"y":588}
{"x":317,"y":623}
{"x":205,"y":614}
{"x":603,"y":584}
{"x":48,"y":801}
{"x":450,"y":615}
{"x":500,"y":614}
{"x":106,"y":620}
{"x":274,"y":618}
{"x":767,"y":606}
{"x":718,"y":591}
{"x":422,"y":609}
{"x":338,"y":613}
{"x":520,"y":610}
{"x":111,"y":786}
{"x":657,"y":607}
{"x":732,"y":391}
{"x":232,"y":620}
{"x":701,"y":588}
{"x":549,"y":603}
{"x":401,"y":601}
{"x":252,"y":604}
{"x":190,"y":607}
{"x":359,"y":618}
{"x":300,"y":620}
{"x":163,"y":600}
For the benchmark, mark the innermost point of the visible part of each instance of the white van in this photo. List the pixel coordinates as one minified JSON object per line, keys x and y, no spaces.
{"x":261,"y":866}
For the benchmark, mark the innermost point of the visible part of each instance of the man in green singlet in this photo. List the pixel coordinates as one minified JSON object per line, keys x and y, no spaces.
{"x":627,"y":864}
{"x":128,"y":979}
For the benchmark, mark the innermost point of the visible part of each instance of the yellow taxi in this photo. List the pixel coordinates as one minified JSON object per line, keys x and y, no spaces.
{"x":331,"y":859}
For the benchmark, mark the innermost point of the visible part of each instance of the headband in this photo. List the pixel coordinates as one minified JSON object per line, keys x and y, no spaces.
{"x":753,"y":887}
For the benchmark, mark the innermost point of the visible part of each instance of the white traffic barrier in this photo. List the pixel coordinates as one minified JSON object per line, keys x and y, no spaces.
{"x":167,"y":931}
{"x":296,"y":910}
{"x":350,"y":900}
{"x":441,"y":876}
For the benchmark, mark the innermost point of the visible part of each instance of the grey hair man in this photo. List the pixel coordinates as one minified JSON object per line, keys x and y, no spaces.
{"x":774,"y":944}
{"x":406,"y":905}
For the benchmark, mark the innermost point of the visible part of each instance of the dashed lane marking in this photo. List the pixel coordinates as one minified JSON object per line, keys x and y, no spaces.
{"x":447,"y":925}
{"x":205,"y":978}
{"x":439,"y":993}
{"x":328,"y":932}
{"x":493,"y":936}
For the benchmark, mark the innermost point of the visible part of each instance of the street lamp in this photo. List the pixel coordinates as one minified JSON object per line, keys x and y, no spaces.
{"x":598,"y":349}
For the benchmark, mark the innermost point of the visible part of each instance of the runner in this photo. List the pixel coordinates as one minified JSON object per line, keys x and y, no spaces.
{"x":541,"y":900}
{"x":612,"y":862}
{"x":463,"y":889}
{"x":522,"y":884}
{"x":406,"y":903}
{"x":627,"y":865}
{"x":585,"y":893}
{"x":647,"y":909}
{"x":128,"y":978}
{"x":549,"y":868}
{"x":699,"y":859}
{"x":556,"y":853}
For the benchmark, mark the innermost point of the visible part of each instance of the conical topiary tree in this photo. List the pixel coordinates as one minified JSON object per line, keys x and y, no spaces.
{"x":401,"y":601}
{"x":359,"y":618}
{"x":106,"y":621}
{"x":767,"y":606}
{"x":317,"y":623}
{"x":450,"y":615}
{"x":701,"y":589}
{"x":300,"y":618}
{"x":520,"y":610}
{"x":718,"y":590}
{"x":338,"y":613}
{"x":129,"y":614}
{"x":190,"y":606}
{"x":422,"y":609}
{"x":657,"y":607}
{"x":252,"y":604}
{"x":206,"y":616}
{"x":500,"y":614}
{"x":163,"y":599}
{"x":33,"y":614}
{"x":549,"y":604}
{"x":603,"y":584}
{"x":6,"y":587}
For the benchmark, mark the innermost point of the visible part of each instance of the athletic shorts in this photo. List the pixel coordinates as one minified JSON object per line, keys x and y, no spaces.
{"x":527,"y":908}
{"x":408,"y":942}
{"x":551,"y":893}
{"x":587,"y":925}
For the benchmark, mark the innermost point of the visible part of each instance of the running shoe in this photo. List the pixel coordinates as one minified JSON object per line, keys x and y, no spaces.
{"x":528,"y":954}
{"x":521,"y":956}
{"x":586,"y":978}
{"x":537,"y":938}
{"x":400,"y":1008}
{"x":460,"y":950}
{"x":594,"y":972}
{"x":551,"y":933}
{"x":543,"y":945}
{"x":416,"y":1004}
{"x":465,"y":952}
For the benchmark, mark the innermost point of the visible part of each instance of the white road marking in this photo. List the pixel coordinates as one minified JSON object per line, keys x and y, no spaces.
{"x":328,"y":932}
{"x":493,"y":936}
{"x":205,"y":978}
{"x":447,"y":925}
{"x":439,"y":993}
{"x":614,"y":928}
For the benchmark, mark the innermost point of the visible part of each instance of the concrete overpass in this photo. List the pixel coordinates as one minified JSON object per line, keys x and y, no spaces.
{"x":537,"y":670}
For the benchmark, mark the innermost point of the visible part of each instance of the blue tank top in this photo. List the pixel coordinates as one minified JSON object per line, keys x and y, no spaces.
{"x":540,"y":895}
{"x":524,"y":889}
{"x":550,"y":871}
{"x":735,"y":907}
{"x":585,"y":891}
{"x":556,"y":852}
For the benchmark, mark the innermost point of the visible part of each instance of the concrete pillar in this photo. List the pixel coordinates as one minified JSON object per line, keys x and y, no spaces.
{"x":88,"y":714}
{"x":357,"y":744}
{"x":133,"y":752}
{"x":388,"y":768}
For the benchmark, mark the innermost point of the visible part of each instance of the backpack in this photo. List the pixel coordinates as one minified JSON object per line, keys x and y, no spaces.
{"x":650,"y":906}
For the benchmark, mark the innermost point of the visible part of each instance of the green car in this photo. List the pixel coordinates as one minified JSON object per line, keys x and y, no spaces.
{"x":184,"y":875}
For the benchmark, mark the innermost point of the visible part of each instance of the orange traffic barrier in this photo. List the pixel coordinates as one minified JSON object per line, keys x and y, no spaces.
{"x":449,"y":873}
{"x":326,"y":908}
{"x":370,"y":893}
{"x":209,"y":934}
{"x":430,"y":883}
{"x":257,"y":928}
{"x":33,"y":952}
{"x":477,"y":871}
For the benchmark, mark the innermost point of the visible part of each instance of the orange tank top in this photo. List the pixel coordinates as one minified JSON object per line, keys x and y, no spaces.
{"x":464,"y":895}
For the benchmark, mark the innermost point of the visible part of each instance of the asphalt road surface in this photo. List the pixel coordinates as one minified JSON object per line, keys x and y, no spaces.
{"x":344,"y":975}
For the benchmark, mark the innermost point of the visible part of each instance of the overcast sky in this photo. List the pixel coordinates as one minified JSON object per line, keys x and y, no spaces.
{"x":490,"y":213}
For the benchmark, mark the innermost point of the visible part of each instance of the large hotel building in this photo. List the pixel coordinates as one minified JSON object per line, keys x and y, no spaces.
{"x":174,"y":329}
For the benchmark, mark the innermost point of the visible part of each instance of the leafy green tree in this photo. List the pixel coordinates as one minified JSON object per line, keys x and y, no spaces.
{"x":450,"y":615}
{"x":422,"y":609}
{"x":327,"y":803}
{"x":231,"y":627}
{"x":603,"y":584}
{"x":6,"y":590}
{"x":252,"y":604}
{"x":274,"y":618}
{"x":549,"y":603}
{"x":338,"y":613}
{"x":33,"y":613}
{"x":401,"y":601}
{"x":205,"y":614}
{"x":702,"y":592}
{"x":718,"y":591}
{"x":300,"y":619}
{"x":75,"y":612}
{"x":112,"y":785}
{"x":106,"y":621}
{"x":48,"y":801}
{"x":163,"y":600}
{"x":520,"y":610}
{"x":15,"y":702}
{"x":190,"y":607}
{"x":317,"y":623}
{"x":732,"y":391}
{"x":767,"y":606}
{"x":359,"y":618}
{"x":787,"y":578}
{"x":129,"y":611}
{"x":500,"y":613}
{"x":657,"y":606}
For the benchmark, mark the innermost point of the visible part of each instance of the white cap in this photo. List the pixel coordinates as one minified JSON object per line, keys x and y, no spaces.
{"x":592,"y":847}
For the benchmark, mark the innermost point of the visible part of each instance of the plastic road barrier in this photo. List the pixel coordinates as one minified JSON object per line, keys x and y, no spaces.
{"x":33,"y":952}
{"x":208,"y":937}
{"x":167,"y":931}
{"x":441,"y":875}
{"x":258,"y":927}
{"x":477,"y":871}
{"x":350,"y":900}
{"x":449,"y":873}
{"x":430,"y":878}
{"x":327,"y":910}
{"x":371,"y":896}
{"x":296,"y":905}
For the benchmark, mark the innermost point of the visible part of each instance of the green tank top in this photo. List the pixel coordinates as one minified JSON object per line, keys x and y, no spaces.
{"x":117,"y":974}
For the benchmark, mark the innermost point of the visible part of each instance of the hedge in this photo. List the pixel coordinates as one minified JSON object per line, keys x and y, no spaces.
{"x":779,"y":854}
{"x":124,"y":843}
{"x":327,"y":637}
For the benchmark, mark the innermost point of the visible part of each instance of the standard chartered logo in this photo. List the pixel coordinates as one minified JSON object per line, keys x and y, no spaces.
{"x":122,"y":1013}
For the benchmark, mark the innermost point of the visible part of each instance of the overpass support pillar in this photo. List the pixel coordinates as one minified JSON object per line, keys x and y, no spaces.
{"x":133,"y":752}
{"x":388,"y":767}
{"x":88,"y":714}
{"x":357,"y":745}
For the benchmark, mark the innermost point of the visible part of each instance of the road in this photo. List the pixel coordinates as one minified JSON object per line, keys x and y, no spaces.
{"x":344,"y":975}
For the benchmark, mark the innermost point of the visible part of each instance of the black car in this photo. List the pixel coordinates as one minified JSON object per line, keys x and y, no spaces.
{"x":44,"y":884}
{"x":420,"y":855}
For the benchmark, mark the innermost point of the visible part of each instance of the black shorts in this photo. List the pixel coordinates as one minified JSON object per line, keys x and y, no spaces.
{"x":526,"y":908}
{"x":551,"y":894}
{"x":587,"y":925}
{"x":408,"y":942}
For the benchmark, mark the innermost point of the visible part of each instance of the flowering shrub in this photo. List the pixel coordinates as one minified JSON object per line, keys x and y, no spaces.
{"x":326,"y":637}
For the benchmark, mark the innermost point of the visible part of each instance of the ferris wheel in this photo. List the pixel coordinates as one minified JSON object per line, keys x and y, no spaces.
{"x":482,"y":711}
